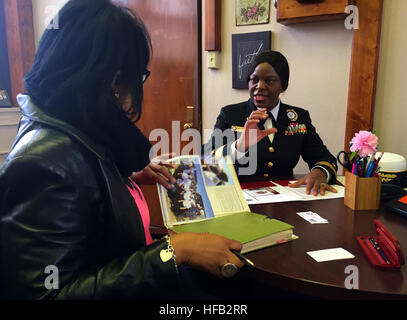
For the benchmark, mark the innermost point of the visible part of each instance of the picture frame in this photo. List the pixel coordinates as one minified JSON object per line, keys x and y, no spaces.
{"x":245,"y":46}
{"x":249,"y":12}
{"x":5,"y":100}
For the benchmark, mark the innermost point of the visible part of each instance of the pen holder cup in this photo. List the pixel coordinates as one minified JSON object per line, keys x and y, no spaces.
{"x":362,"y":193}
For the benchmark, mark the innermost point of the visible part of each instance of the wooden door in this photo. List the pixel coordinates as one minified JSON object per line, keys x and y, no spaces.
{"x":175,"y":80}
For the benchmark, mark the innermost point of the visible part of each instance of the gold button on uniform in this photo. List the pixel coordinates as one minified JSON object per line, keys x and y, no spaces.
{"x":266,"y":175}
{"x":270,"y":164}
{"x":271,"y":149}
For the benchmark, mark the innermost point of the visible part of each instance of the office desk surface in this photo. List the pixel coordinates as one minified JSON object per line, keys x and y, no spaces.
{"x":289,"y":266}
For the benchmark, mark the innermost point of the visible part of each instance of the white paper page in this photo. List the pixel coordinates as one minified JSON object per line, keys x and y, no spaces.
{"x":301,"y":191}
{"x":330,"y":254}
{"x":286,"y":194}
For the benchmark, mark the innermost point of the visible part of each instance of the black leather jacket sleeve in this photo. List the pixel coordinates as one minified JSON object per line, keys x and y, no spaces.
{"x":47,"y":218}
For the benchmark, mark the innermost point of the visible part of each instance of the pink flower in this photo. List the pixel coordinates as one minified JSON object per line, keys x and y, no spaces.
{"x":364,"y":143}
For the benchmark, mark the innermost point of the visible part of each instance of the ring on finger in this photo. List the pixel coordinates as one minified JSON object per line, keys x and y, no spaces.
{"x":228,"y":270}
{"x":323,"y":185}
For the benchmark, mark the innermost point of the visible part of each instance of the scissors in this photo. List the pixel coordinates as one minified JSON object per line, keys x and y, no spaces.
{"x":345,"y":162}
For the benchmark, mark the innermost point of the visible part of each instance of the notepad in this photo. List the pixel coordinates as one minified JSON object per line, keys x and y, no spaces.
{"x":330,"y":254}
{"x":254,"y":231}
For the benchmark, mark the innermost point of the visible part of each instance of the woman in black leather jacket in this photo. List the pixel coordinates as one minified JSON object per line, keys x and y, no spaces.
{"x":70,"y":228}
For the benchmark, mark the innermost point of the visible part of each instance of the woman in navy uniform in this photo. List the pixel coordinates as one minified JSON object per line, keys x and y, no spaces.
{"x":266,"y":137}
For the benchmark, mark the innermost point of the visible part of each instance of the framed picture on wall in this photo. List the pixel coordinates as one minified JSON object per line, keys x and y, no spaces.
{"x":252,"y":12}
{"x":245,"y":46}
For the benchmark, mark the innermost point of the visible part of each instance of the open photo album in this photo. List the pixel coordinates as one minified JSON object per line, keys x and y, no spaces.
{"x":202,"y":190}
{"x":207,"y":197}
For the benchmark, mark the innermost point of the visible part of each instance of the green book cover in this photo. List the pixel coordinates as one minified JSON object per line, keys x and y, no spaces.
{"x":243,"y":226}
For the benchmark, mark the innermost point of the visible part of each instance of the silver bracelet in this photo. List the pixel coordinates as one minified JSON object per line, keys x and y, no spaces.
{"x":168,"y":253}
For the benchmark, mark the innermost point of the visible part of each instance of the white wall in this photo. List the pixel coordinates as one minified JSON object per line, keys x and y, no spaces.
{"x":319,"y":58}
{"x":43,"y":10}
{"x":391,"y":97}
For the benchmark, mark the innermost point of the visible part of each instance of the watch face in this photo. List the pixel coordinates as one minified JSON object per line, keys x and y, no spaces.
{"x":229,"y":270}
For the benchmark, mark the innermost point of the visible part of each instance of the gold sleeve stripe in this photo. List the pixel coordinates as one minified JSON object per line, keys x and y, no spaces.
{"x":326,"y":163}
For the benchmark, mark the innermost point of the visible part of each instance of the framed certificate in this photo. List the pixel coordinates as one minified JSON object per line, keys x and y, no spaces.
{"x":245,"y":46}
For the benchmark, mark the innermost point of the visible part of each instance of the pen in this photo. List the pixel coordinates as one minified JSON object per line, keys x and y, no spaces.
{"x":363,"y":166}
{"x":377,"y":247}
{"x":242,"y":257}
{"x":353,"y":168}
{"x":371,"y":159}
{"x":356,"y":167}
{"x":370,"y":170}
{"x":359,"y":169}
{"x":377,"y":161}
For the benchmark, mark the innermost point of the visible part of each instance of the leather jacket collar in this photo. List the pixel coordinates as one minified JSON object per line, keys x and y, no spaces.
{"x":32,"y":112}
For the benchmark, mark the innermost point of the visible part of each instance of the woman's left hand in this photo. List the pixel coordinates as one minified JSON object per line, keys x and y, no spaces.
{"x":315,"y":182}
{"x":156,"y":171}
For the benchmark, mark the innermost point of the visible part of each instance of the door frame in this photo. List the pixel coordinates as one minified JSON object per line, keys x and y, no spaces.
{"x":20,"y":42}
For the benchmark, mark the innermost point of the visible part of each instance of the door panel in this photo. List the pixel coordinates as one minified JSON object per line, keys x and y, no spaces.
{"x":175,"y":80}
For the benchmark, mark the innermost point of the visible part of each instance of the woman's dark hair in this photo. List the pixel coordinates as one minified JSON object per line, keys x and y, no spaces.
{"x":96,"y":43}
{"x":277,"y":61}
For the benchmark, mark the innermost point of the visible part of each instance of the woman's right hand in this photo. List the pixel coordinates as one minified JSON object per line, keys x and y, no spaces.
{"x":156,"y":172}
{"x":205,"y":251}
{"x":252,"y":134}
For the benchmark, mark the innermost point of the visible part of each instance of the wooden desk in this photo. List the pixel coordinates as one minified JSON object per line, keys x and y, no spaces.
{"x":289,"y":266}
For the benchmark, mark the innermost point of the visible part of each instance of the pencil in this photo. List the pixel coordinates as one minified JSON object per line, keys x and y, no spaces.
{"x":242,"y":257}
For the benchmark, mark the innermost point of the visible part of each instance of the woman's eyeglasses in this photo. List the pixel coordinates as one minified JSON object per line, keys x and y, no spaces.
{"x":145,"y":75}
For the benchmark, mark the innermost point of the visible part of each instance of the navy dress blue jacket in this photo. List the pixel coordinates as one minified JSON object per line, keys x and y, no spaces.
{"x":296,"y":137}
